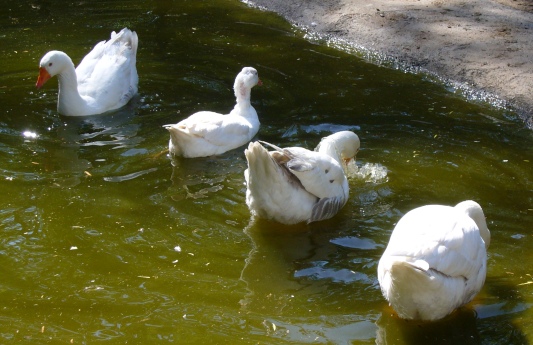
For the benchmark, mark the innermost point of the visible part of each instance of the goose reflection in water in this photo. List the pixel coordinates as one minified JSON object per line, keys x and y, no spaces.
{"x":202,"y":177}
{"x":269,"y":267}
{"x":458,"y":328}
{"x":68,"y":158}
{"x":495,"y":310}
{"x":291,"y":270}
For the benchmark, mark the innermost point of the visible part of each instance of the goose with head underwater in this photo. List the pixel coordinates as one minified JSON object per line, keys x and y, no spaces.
{"x":435,"y":261}
{"x":292,"y":185}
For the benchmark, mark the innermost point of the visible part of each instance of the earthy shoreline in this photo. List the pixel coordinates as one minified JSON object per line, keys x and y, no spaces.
{"x":485,"y":45}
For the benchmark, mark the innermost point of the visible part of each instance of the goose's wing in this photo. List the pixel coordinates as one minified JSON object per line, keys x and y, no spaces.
{"x":326,"y":208}
{"x":217,"y":129}
{"x":272,"y":191}
{"x":87,"y":65}
{"x":320,"y":174}
{"x":108,"y":73}
{"x":446,"y":240}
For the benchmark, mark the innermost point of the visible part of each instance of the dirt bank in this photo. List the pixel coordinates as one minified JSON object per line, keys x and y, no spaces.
{"x":483,"y":44}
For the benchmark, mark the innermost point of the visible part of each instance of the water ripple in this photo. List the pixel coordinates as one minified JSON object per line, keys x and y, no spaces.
{"x":129,"y":176}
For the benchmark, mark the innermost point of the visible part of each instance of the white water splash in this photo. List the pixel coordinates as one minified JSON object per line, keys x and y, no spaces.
{"x":370,"y":172}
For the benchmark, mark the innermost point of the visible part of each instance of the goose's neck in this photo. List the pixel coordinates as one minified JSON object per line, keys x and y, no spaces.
{"x":474,"y":211}
{"x":479,"y":218}
{"x":243,"y":97}
{"x":243,"y":105}
{"x":69,"y":100}
{"x":329,"y":148}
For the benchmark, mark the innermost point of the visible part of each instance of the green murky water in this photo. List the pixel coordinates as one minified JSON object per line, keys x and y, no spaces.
{"x":103,"y":239}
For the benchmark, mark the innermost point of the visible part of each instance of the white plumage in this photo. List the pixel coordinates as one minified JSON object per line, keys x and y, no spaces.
{"x":207,"y":133}
{"x":436,"y":260}
{"x":292,"y":185}
{"x":106,"y":78}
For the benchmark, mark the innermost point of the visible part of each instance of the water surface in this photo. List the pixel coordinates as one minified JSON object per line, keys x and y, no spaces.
{"x":104,"y":239}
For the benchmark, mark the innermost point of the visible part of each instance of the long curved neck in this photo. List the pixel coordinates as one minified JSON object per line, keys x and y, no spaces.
{"x":474,"y":211}
{"x":329,"y":148}
{"x":69,"y":101}
{"x":478,"y":217}
{"x":243,"y":105}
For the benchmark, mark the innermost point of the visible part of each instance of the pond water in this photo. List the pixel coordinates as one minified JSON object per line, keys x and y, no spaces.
{"x":104,"y":239}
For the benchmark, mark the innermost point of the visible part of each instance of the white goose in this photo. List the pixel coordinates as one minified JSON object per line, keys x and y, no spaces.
{"x":292,"y":185}
{"x":106,"y":78}
{"x":436,"y":260}
{"x":207,"y":133}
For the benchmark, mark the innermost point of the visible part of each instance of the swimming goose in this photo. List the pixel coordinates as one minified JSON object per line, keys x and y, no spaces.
{"x":106,"y":78}
{"x":436,"y":260}
{"x":292,"y":185}
{"x":207,"y":133}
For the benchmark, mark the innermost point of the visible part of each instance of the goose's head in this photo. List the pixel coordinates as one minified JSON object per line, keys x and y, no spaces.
{"x":52,"y":63}
{"x":343,"y":146}
{"x":245,"y":80}
{"x":474,"y":211}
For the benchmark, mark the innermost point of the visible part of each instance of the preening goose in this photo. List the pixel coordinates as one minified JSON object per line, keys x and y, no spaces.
{"x":292,"y":185}
{"x":436,"y":260}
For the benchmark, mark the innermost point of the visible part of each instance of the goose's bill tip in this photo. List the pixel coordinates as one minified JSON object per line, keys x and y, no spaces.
{"x":43,"y":77}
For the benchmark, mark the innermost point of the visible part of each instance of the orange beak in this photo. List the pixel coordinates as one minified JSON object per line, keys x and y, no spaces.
{"x":43,"y":77}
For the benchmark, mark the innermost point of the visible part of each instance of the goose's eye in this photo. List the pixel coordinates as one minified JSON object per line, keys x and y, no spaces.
{"x":331,"y":181}
{"x":326,"y":171}
{"x":50,"y":64}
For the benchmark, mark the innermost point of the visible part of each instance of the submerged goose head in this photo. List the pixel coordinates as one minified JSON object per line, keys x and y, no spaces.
{"x":342,"y":146}
{"x":53,"y":63}
{"x":244,"y":82}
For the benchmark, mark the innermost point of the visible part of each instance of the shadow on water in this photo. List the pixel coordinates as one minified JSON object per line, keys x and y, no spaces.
{"x":501,"y":315}
{"x":472,"y":324}
{"x":291,"y":270}
{"x":458,"y":328}
{"x":197,"y":178}
{"x":269,"y":268}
